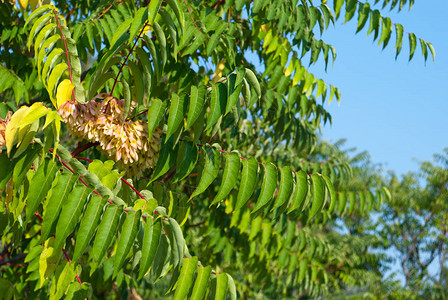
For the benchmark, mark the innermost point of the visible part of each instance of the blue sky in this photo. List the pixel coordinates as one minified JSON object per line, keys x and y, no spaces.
{"x":394,"y":109}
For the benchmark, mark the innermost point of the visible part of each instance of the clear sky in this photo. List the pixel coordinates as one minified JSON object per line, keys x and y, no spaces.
{"x":394,"y":109}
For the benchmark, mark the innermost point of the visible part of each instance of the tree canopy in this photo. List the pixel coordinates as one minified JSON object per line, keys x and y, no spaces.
{"x":145,"y":155}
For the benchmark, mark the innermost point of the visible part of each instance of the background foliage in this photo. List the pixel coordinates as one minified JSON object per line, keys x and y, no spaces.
{"x":189,"y":173}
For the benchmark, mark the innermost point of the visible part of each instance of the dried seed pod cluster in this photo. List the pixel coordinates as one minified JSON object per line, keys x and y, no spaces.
{"x":124,"y":141}
{"x":3,"y":124}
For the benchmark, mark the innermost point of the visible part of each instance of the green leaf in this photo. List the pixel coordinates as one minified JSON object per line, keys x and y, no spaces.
{"x":137,"y":23}
{"x":155,"y":57}
{"x":375,"y":17}
{"x":37,"y":26}
{"x":268,"y":186}
{"x":330,"y":188}
{"x":248,"y":181}
{"x":160,"y":35}
{"x":177,"y":241}
{"x":201,"y":283}
{"x":199,"y":39}
{"x":231,"y":287}
{"x":352,"y":201}
{"x":215,"y":38}
{"x":55,"y":75}
{"x":151,"y":240}
{"x":144,"y":60}
{"x":38,"y":12}
{"x":424,"y":49}
{"x":197,"y":100}
{"x":156,"y":111}
{"x":47,"y":45}
{"x":128,"y":233}
{"x":138,"y":82}
{"x":50,"y":61}
{"x":166,"y":160}
{"x":342,"y":200}
{"x":66,"y":277}
{"x":121,"y":30}
{"x":412,"y":45}
{"x":350,"y":9}
{"x":253,"y":81}
{"x":363,"y":15}
{"x":88,"y":224}
{"x":106,"y":231}
{"x":185,"y":281}
{"x":370,"y":200}
{"x":218,"y":100}
{"x":43,"y":35}
{"x":98,"y":83}
{"x":40,"y":185}
{"x":399,"y":36}
{"x":222,"y":281}
{"x":385,"y":32}
{"x":337,"y":5}
{"x":230,"y":176}
{"x":234,"y":89}
{"x":286,"y":185}
{"x":172,"y":30}
{"x":56,"y":197}
{"x":318,"y":195}
{"x":433,"y":52}
{"x":176,"y":113}
{"x":153,"y":8}
{"x":300,"y":191}
{"x":178,"y":12}
{"x":127,"y":99}
{"x":160,"y":258}
{"x":70,"y":214}
{"x":210,"y":171}
{"x":186,"y":160}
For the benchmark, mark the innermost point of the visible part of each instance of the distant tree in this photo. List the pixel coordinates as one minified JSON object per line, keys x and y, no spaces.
{"x":415,"y":225}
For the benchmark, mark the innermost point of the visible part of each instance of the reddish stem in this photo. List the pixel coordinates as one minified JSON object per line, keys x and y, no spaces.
{"x":126,"y":59}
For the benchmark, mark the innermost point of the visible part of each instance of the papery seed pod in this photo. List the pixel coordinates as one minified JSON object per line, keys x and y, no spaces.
{"x":124,"y":141}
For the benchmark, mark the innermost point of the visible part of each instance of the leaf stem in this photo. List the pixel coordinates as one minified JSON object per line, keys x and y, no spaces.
{"x":127,"y":57}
